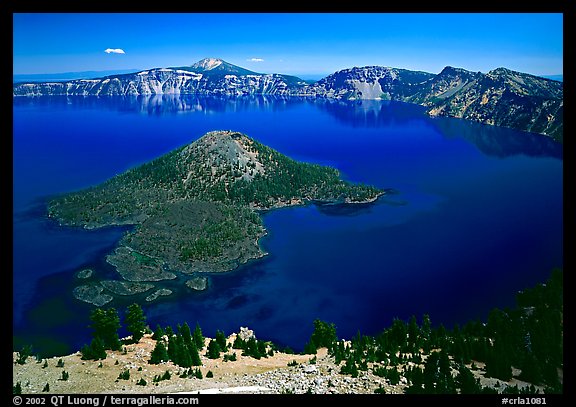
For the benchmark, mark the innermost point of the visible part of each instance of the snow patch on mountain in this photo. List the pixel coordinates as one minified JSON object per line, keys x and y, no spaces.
{"x":208,"y":63}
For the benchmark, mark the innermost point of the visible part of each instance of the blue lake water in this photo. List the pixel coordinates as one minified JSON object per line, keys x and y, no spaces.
{"x":474,"y":216}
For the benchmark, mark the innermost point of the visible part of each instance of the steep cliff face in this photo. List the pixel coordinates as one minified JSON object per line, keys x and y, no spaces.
{"x":507,"y":98}
{"x":443,"y":86}
{"x":209,"y":76}
{"x":501,"y":97}
{"x":370,"y":82}
{"x":164,"y":81}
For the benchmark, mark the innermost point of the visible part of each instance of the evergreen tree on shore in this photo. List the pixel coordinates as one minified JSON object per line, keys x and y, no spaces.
{"x":198,"y":337}
{"x":135,"y":322}
{"x":106,"y":324}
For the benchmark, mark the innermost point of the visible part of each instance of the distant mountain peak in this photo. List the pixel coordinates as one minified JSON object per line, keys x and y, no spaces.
{"x":454,"y":70}
{"x":208,"y":64}
{"x":217,"y":66}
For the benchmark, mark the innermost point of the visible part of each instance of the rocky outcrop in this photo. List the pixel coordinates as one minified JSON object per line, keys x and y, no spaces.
{"x":370,"y":82}
{"x":501,"y":97}
{"x":207,"y":77}
{"x":509,"y":99}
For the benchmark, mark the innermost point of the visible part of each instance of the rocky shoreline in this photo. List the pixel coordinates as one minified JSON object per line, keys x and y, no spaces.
{"x":137,"y":275}
{"x":196,"y":210}
{"x":281,"y":373}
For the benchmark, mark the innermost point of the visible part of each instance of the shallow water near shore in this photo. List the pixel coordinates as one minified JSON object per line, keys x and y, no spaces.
{"x":473,"y":214}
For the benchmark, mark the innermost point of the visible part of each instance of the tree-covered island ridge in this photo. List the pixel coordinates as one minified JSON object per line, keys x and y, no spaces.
{"x":196,"y":209}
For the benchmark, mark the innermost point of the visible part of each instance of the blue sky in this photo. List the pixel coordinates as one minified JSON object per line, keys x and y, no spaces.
{"x":291,"y":43}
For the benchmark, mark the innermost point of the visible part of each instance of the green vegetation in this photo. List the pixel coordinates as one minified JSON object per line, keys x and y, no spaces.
{"x":159,"y":354}
{"x":194,"y":207}
{"x":17,"y":388}
{"x":24,"y":353}
{"x":106,"y":324}
{"x":324,"y":335}
{"x":198,"y":337}
{"x":94,"y":351}
{"x":165,"y":376}
{"x":135,"y":322}
{"x":229,"y":357}
{"x":252,"y":347}
{"x":191,"y":373}
{"x":221,"y":340}
{"x":214,"y":350}
{"x":527,"y":339}
{"x":143,"y":259}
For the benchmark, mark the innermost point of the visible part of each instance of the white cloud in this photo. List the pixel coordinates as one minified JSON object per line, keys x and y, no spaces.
{"x":114,"y":51}
{"x":255,"y":60}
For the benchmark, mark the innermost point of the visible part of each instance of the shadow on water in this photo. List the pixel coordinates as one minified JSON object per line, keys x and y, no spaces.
{"x":490,"y":140}
{"x":346,"y":209}
{"x":498,"y":141}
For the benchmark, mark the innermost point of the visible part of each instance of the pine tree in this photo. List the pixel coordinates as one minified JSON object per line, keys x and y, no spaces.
{"x":398,"y":333}
{"x":94,"y":351}
{"x":426,"y":329}
{"x":221,"y":339}
{"x":413,"y":333}
{"x":17,"y":388}
{"x":194,"y":355}
{"x":198,"y":337}
{"x":262,"y":349}
{"x":323,"y":336}
{"x":106,"y":324}
{"x":184,"y":331}
{"x":251,"y":349}
{"x":213,"y":349}
{"x":437,"y":378}
{"x":135,"y":322}
{"x":159,"y":354}
{"x":466,"y":382}
{"x":498,"y":362}
{"x":174,"y":351}
{"x":184,"y":358}
{"x":239,"y":343}
{"x":24,"y":354}
{"x":158,"y":333}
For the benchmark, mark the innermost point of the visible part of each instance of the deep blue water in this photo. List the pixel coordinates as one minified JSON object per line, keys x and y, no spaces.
{"x":475,"y":215}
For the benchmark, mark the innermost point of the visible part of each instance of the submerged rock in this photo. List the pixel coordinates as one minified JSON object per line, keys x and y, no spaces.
{"x":86,"y":273}
{"x":92,"y":293}
{"x":197,"y":283}
{"x":126,"y":287}
{"x":134,"y":266}
{"x":158,"y":293}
